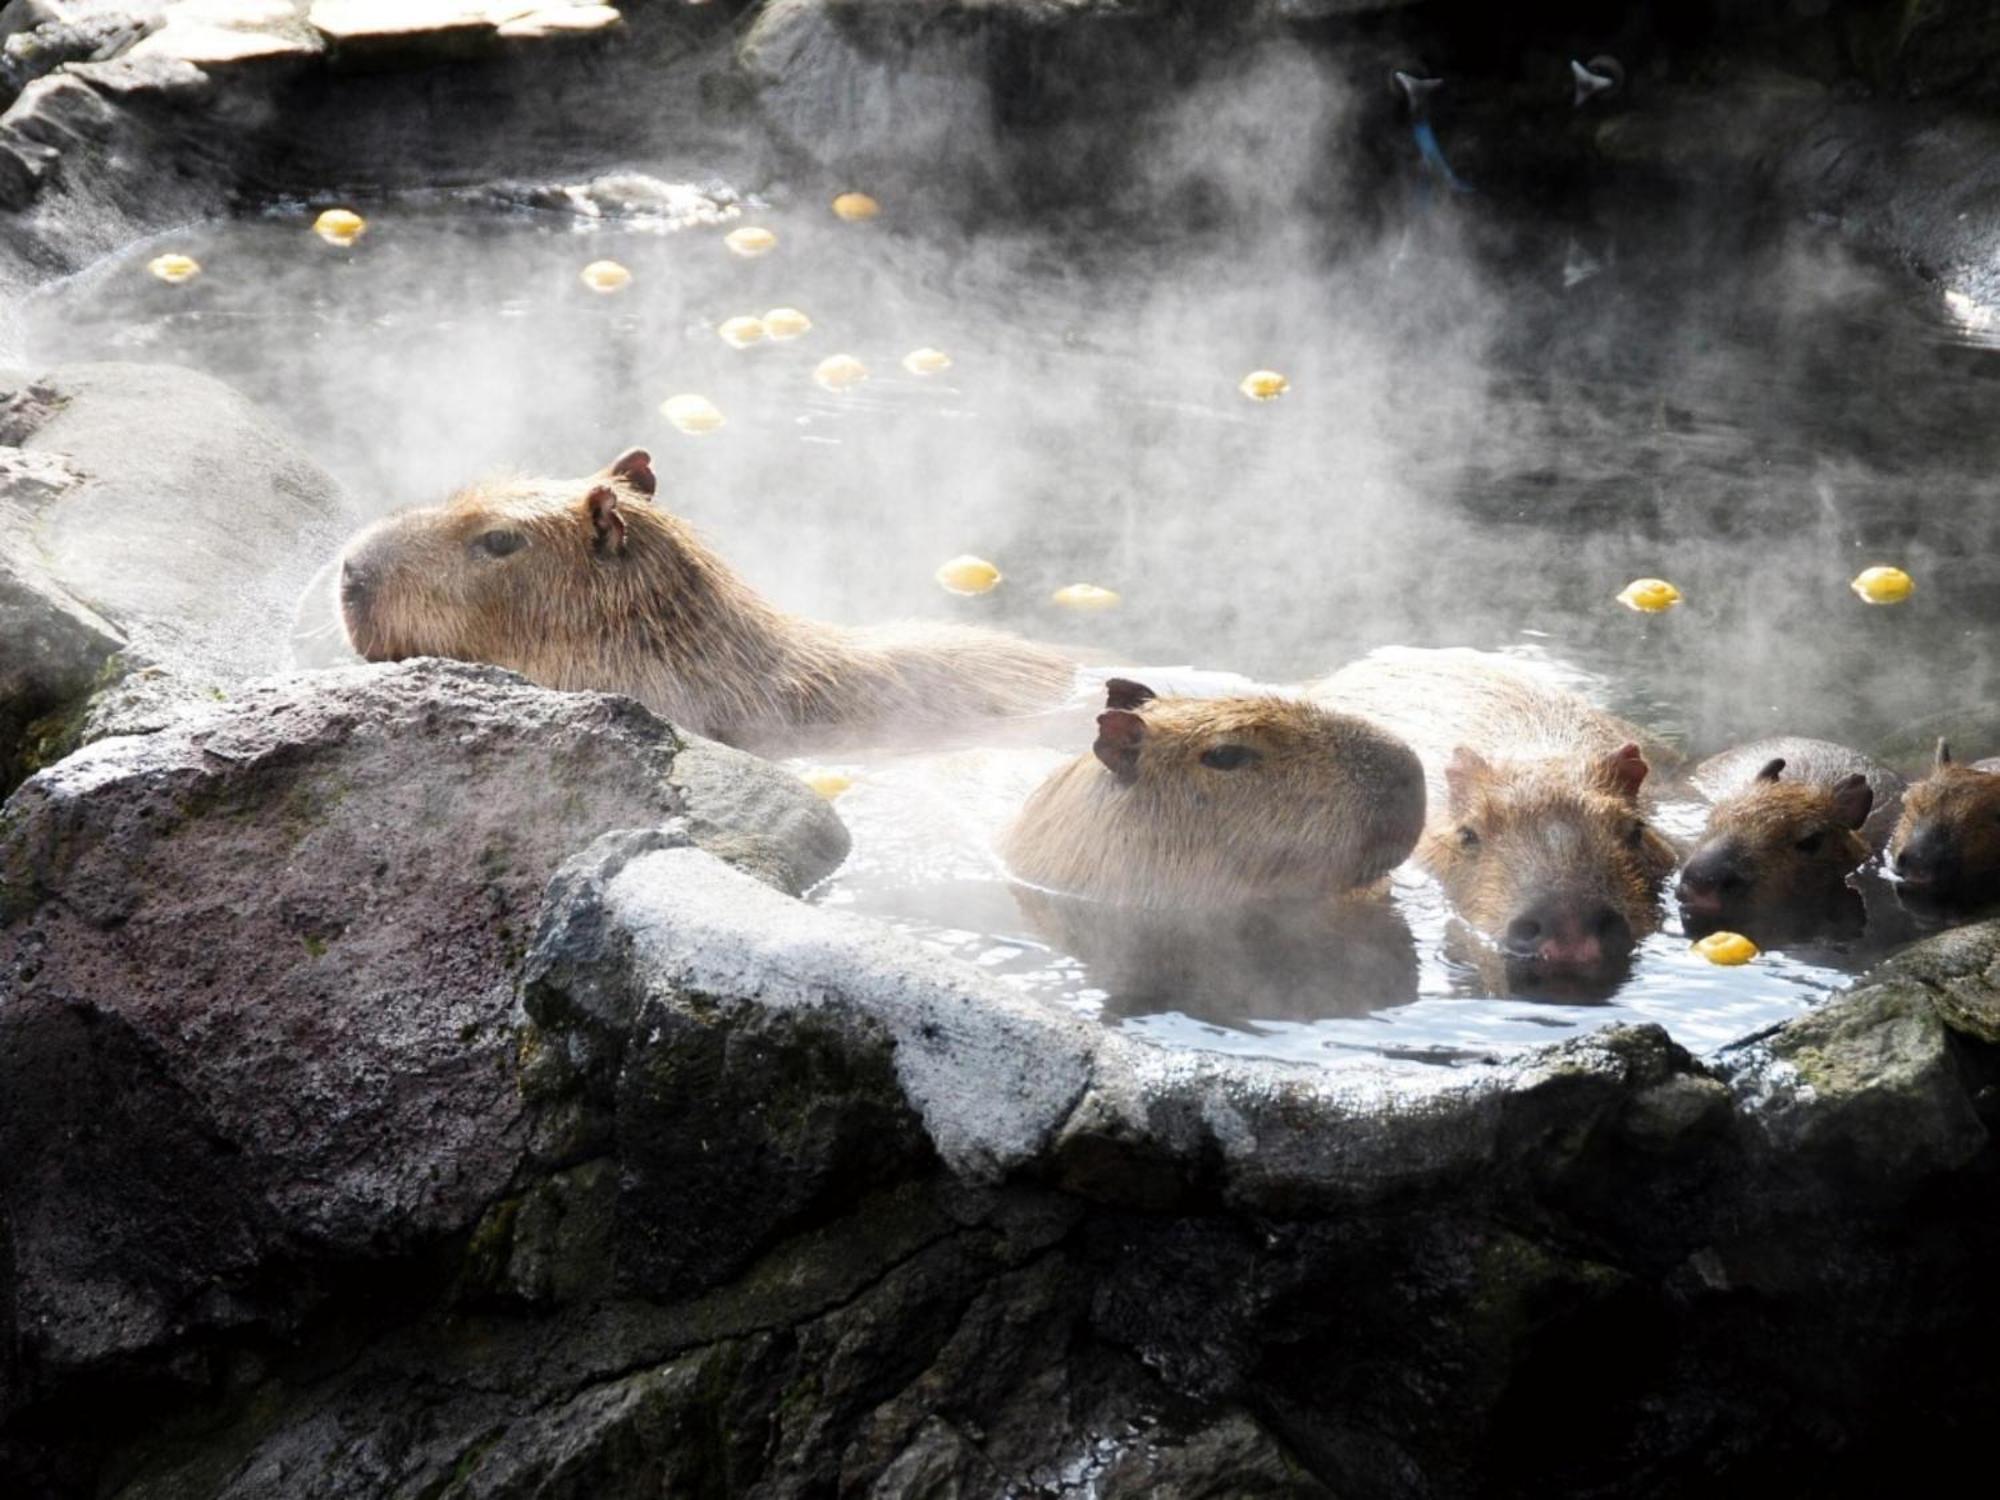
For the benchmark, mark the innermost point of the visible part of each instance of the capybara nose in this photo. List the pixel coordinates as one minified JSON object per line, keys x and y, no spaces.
{"x":1564,"y":933}
{"x":1926,"y":859}
{"x":1711,"y":878}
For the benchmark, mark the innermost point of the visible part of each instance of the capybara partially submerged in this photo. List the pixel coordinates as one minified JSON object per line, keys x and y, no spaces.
{"x":586,"y":584}
{"x":1538,"y":831}
{"x":1946,"y":847}
{"x":1206,"y":802}
{"x":1792,"y":819}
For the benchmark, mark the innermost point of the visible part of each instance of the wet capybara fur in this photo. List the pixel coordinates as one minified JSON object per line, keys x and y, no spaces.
{"x":588,"y":584}
{"x":1781,"y":840}
{"x":1538,"y":831}
{"x":1205,"y":802}
{"x":1946,"y":847}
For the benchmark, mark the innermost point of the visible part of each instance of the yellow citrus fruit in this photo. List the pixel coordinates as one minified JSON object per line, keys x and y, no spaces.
{"x":1884,"y":585}
{"x":751,"y":240}
{"x":927,"y":361}
{"x":839,"y":372}
{"x":1726,"y":948}
{"x":1649,"y":596}
{"x":968,"y":575}
{"x":605,"y":276}
{"x":1085,"y":597}
{"x":828,"y":783}
{"x":786,"y":323}
{"x":1264,"y":385}
{"x":856,"y":207}
{"x":741,"y":333}
{"x":694,"y":415}
{"x":340,"y":226}
{"x":174,"y":269}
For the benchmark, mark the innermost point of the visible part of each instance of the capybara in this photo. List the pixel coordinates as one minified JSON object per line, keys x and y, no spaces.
{"x":587,"y":584}
{"x":1206,"y":802}
{"x":1946,"y":847}
{"x":1792,"y":819}
{"x":1538,"y":831}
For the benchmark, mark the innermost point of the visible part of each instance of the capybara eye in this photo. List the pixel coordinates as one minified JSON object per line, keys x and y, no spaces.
{"x":1811,"y":843}
{"x":500,"y":543}
{"x":1468,"y":838}
{"x":1228,"y":757}
{"x":1635,"y":835}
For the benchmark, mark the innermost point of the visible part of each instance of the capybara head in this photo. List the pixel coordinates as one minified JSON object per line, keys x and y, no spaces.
{"x":1554,"y":861}
{"x":510,"y":573}
{"x":1191,"y":802}
{"x":1946,"y":847}
{"x":1774,"y":854}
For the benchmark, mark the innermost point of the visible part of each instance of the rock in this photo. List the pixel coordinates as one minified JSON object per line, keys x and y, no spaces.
{"x":624,"y":196}
{"x":401,"y":32}
{"x":223,"y":33}
{"x":1960,"y":969}
{"x":45,"y":38}
{"x":150,"y":508}
{"x":258,"y":975}
{"x":945,"y":94}
{"x":1866,"y":1091}
{"x":741,"y":812}
{"x":198,"y":521}
{"x":637,"y":939}
{"x":57,"y":649}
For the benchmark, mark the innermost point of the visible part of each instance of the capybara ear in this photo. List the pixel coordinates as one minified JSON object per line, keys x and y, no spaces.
{"x":1118,"y":735}
{"x":1772,"y":770}
{"x":635,"y":467}
{"x":1123,"y":692}
{"x":1853,"y":799}
{"x":601,"y":505}
{"x":1626,"y":769}
{"x":1943,"y":757}
{"x":1463,"y":774}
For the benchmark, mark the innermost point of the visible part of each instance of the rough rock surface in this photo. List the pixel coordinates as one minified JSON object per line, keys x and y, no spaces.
{"x":797,"y":1207}
{"x":147,"y":510}
{"x":257,"y":970}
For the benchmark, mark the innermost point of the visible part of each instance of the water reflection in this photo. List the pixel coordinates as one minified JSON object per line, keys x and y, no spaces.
{"x":1305,"y":961}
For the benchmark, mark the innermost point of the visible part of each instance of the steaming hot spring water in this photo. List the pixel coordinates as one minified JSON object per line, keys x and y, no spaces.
{"x":1476,"y":450}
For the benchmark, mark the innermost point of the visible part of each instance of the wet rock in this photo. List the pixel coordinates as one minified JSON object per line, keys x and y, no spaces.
{"x":1960,"y":970}
{"x":1868,"y":1090}
{"x":624,"y":196}
{"x":985,"y":1076}
{"x":258,"y":974}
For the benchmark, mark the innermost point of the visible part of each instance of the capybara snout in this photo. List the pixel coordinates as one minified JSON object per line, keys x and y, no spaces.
{"x":1569,"y":930}
{"x":1553,"y":859}
{"x":1946,"y":847}
{"x":1779,"y":845}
